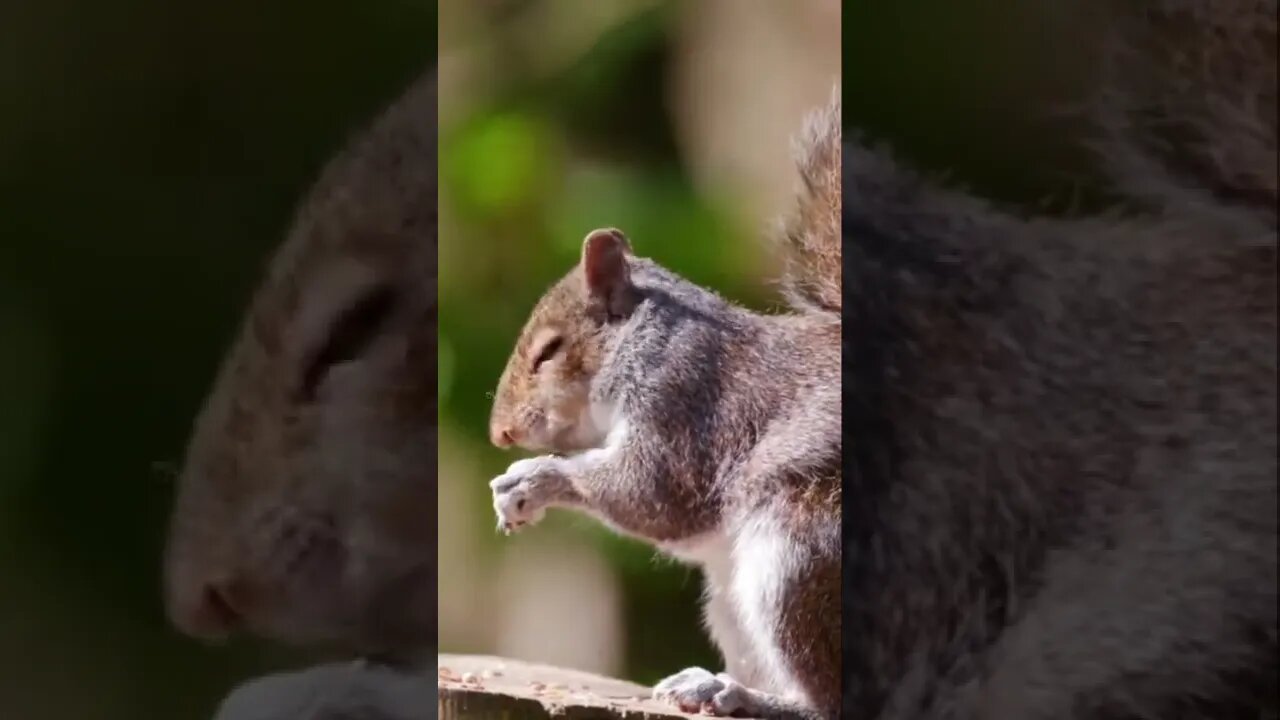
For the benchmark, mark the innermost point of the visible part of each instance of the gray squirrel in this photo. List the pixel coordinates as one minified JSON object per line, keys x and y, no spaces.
{"x":712,"y":432}
{"x":1061,"y":485}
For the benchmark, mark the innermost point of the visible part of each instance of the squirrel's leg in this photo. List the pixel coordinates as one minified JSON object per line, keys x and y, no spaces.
{"x":720,"y":615}
{"x":729,"y":693}
{"x":628,"y":483}
{"x":523,"y":493}
{"x":782,"y":575}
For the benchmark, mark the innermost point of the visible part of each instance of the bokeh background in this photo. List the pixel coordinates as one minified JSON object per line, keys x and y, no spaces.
{"x":669,"y":120}
{"x":151,"y":155}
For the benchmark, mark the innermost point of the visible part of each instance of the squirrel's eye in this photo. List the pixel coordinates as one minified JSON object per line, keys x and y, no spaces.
{"x":350,"y":334}
{"x":547,"y":352}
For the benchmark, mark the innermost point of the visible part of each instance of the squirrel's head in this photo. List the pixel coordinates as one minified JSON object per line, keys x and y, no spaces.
{"x":306,"y":505}
{"x":543,"y":398}
{"x":307,"y":497}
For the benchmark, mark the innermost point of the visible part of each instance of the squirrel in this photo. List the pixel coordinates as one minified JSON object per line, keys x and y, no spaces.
{"x":305,"y":507}
{"x":708,"y":430}
{"x":1061,"y":480}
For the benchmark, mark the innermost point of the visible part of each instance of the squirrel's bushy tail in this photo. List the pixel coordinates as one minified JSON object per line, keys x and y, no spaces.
{"x":1188,"y":107}
{"x":811,"y":233}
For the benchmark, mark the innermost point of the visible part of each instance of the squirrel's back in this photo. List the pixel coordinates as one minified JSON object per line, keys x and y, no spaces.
{"x":1187,"y":106}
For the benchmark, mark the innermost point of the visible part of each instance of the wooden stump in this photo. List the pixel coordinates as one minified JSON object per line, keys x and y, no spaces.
{"x":476,"y":686}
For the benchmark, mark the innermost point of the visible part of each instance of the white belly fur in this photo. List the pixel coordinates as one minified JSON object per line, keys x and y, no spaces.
{"x":744,"y":574}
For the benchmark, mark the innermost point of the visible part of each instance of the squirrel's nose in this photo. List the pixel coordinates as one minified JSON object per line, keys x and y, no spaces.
{"x":502,"y":436}
{"x":208,"y":610}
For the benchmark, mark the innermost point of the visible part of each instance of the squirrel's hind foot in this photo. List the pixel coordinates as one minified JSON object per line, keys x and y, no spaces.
{"x":697,"y":690}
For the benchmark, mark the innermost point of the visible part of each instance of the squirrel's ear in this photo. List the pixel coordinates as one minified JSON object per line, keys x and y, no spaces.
{"x":604,"y":265}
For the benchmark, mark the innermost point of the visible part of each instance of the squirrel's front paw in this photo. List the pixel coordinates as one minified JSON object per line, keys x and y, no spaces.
{"x":522,"y":493}
{"x":697,"y":690}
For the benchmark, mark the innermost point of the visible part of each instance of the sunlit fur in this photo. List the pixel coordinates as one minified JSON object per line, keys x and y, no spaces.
{"x":550,"y":410}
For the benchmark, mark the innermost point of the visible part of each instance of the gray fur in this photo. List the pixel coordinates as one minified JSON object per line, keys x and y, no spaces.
{"x":1062,"y":493}
{"x":733,"y":418}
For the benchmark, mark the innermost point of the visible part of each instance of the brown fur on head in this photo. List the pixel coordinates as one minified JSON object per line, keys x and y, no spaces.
{"x":543,"y":398}
{"x":306,"y":506}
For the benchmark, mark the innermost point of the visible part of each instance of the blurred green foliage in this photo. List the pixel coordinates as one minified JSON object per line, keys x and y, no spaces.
{"x":524,"y":178}
{"x":151,"y":155}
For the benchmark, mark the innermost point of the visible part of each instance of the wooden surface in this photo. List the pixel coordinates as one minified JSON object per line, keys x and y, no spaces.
{"x":476,"y":686}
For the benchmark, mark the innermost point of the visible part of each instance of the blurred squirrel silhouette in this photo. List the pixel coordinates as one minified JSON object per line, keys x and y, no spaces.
{"x":306,"y":504}
{"x":306,"y":507}
{"x":1061,"y":458}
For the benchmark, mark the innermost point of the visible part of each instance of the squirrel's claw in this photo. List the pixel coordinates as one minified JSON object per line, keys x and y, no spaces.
{"x":520,"y":495}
